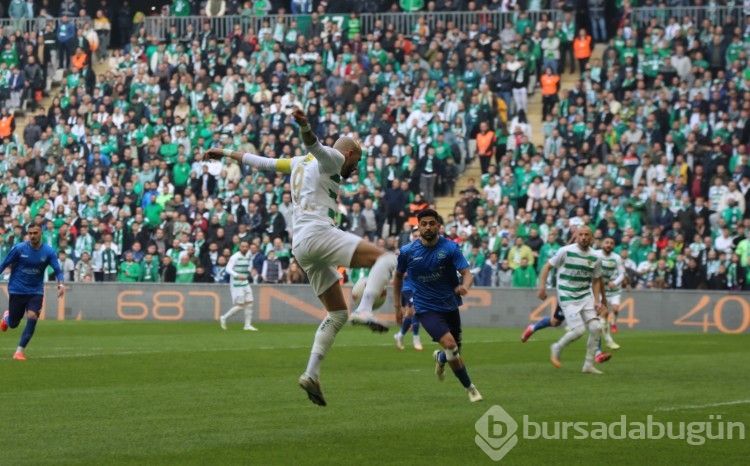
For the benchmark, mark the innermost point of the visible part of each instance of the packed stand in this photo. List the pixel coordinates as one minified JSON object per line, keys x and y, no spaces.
{"x":124,"y":194}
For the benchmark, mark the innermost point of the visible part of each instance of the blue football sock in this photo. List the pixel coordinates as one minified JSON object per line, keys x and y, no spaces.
{"x":544,"y":323}
{"x":405,"y":325}
{"x":28,"y":332}
{"x":415,"y":327}
{"x":442,"y":358}
{"x":463,"y":377}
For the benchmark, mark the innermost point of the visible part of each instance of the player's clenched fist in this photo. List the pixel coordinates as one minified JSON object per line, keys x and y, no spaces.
{"x":215,"y":154}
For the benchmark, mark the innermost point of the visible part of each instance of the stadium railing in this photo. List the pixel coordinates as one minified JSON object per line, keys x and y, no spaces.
{"x":404,"y":22}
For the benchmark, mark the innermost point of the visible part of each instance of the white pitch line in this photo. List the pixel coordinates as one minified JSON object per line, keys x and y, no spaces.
{"x":712,"y":405}
{"x":182,"y":350}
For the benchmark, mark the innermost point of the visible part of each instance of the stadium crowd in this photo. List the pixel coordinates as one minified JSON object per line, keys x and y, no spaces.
{"x":650,"y":146}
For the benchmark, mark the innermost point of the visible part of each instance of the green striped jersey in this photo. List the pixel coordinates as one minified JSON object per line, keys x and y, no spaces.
{"x":576,"y":270}
{"x":239,"y":265}
{"x":613,"y":270}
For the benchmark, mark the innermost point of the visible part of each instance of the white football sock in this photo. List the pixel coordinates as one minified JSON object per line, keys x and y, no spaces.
{"x":232,"y":311}
{"x":248,"y":315}
{"x":570,"y":336}
{"x":595,"y":333}
{"x":376,"y":281}
{"x":324,"y":340}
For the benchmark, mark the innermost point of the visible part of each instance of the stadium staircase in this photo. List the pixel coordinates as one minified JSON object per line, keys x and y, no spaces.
{"x":445,"y":204}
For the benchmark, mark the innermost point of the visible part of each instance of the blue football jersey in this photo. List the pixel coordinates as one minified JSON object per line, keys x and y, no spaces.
{"x":434,"y":274}
{"x":28,"y":267}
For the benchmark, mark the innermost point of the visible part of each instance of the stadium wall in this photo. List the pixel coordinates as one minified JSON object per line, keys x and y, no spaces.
{"x":699,"y":311}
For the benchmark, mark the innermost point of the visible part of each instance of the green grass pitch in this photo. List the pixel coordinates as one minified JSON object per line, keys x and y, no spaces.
{"x":96,"y":393}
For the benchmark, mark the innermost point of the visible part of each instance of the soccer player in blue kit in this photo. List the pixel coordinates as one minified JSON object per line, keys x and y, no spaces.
{"x":29,"y":261}
{"x":434,"y":263}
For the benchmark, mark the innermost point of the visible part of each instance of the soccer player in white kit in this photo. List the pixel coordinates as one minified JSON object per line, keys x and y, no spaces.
{"x":238,"y":268}
{"x":614,"y":273}
{"x":580,"y":292}
{"x":318,"y":245}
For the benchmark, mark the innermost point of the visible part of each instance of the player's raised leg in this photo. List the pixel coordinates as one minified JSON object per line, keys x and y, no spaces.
{"x":552,"y":321}
{"x":381,"y":264}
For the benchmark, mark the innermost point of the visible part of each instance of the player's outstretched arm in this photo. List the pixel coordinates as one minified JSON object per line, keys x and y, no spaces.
{"x":261,"y":163}
{"x":329,"y":158}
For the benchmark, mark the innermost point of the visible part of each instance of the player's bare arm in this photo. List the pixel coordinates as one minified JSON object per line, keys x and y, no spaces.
{"x":257,"y":161}
{"x":308,"y":136}
{"x":542,"y":293}
{"x":398,"y":282}
{"x":468,"y":279}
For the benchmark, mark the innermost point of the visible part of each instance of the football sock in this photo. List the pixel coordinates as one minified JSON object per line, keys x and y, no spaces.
{"x":376,"y":281}
{"x":462,"y":376}
{"x":405,"y":325}
{"x":28,"y":332}
{"x":571,"y":336}
{"x":232,"y":311}
{"x":595,"y":332}
{"x":415,"y":327}
{"x":544,"y":323}
{"x":248,"y":315}
{"x":324,"y":340}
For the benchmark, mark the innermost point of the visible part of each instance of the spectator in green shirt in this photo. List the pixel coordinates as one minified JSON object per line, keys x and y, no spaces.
{"x":185,"y":270}
{"x":181,"y":174}
{"x":150,"y":269}
{"x":524,"y":276}
{"x":130,"y":271}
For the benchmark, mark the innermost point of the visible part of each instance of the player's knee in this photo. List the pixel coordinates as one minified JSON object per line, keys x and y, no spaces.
{"x":554,"y":322}
{"x":32,"y":314}
{"x":452,"y":354}
{"x":337,"y":318}
{"x":388,"y":258}
{"x":578,"y":330}
{"x":595,"y":326}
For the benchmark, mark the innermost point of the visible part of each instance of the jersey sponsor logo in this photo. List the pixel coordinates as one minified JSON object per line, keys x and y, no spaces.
{"x":418,"y":258}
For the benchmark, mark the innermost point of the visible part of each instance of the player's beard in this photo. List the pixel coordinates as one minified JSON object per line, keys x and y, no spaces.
{"x":428,"y":236}
{"x":348,"y":172}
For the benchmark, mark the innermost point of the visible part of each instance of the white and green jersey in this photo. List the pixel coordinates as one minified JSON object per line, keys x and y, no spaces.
{"x":315,"y":182}
{"x":239,"y":264}
{"x":614,"y":271}
{"x":576,"y":270}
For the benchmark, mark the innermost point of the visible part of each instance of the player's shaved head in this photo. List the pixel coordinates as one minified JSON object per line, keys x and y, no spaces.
{"x":352,"y":153}
{"x":345,"y":144}
{"x":584,"y":235}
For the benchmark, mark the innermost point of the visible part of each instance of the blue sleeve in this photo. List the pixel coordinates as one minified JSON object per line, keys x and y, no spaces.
{"x":401,"y":262}
{"x":459,"y":261}
{"x":56,"y":265}
{"x":9,"y":259}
